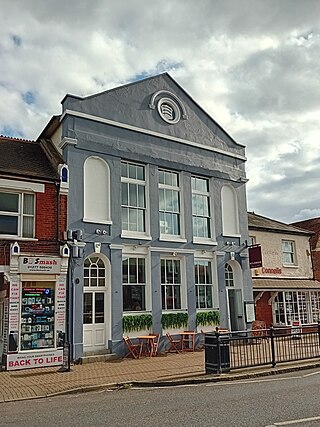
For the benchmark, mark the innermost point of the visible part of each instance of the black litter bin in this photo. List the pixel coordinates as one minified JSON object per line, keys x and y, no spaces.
{"x":217,"y":353}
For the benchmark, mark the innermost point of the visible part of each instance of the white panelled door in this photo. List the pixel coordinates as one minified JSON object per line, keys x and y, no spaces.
{"x":95,"y":316}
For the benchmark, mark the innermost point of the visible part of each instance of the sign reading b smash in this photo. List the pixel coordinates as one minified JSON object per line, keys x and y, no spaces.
{"x":39,"y":265}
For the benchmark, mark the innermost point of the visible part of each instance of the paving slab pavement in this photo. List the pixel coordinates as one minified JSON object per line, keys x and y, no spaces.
{"x":171,"y":369}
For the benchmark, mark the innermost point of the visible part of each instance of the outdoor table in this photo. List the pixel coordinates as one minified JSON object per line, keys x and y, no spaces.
{"x":147,"y":347}
{"x":187,"y":340}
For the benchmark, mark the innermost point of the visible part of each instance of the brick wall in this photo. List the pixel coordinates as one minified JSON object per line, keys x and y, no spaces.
{"x":263,"y":309}
{"x":63,"y":199}
{"x":313,"y":224}
{"x":5,"y":253}
{"x":51,"y":223}
{"x":316,"y":264}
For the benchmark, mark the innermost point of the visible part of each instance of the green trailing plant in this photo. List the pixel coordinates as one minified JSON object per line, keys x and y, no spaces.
{"x":174,"y":320}
{"x":208,"y":318}
{"x":139,"y":322}
{"x":136,"y":322}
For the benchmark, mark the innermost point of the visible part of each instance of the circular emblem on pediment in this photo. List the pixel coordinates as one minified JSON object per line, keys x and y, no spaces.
{"x":168,"y":110}
{"x":169,"y":107}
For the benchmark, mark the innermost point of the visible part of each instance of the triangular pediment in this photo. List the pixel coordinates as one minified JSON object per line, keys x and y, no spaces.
{"x":159,"y":105}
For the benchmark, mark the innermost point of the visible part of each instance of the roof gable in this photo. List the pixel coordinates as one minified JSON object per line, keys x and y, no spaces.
{"x":258,"y":222}
{"x":137,"y":105}
{"x":24,"y":158}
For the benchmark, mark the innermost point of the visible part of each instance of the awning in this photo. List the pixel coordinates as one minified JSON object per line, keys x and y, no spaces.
{"x":279,"y":284}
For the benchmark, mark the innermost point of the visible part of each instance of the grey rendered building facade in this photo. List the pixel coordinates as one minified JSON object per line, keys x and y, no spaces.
{"x":158,"y":189}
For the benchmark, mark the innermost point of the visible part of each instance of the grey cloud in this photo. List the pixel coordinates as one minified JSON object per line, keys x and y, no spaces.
{"x":212,"y":48}
{"x":283,"y":80}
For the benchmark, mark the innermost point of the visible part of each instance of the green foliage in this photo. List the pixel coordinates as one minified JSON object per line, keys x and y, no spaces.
{"x":174,"y":320}
{"x":137,"y":322}
{"x":208,"y":318}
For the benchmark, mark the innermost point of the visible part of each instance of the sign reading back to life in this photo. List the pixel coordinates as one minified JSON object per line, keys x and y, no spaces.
{"x":39,"y":265}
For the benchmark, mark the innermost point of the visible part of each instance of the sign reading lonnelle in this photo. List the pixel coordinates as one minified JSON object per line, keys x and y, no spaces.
{"x":39,"y":265}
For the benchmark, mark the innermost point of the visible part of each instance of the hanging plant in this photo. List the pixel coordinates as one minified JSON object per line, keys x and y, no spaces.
{"x":208,"y":318}
{"x":174,"y":320}
{"x":137,"y":322}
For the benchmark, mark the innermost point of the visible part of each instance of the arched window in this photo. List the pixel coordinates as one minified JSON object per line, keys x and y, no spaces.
{"x":94,"y":274}
{"x":96,"y":191}
{"x":230,"y":215}
{"x":228,"y":275}
{"x":64,"y":178}
{"x":64,"y":174}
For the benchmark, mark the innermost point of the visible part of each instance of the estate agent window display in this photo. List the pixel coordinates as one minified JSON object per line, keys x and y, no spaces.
{"x":37,"y":316}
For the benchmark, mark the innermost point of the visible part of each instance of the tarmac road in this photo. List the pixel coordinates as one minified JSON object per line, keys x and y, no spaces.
{"x":261,"y":402}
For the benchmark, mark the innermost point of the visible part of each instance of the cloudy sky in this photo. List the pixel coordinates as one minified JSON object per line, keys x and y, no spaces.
{"x":254,"y":65}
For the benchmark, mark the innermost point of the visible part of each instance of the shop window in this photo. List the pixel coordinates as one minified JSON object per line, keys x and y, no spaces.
{"x":96,"y":191}
{"x":133,"y":198}
{"x":201,"y":216}
{"x":37,"y":316}
{"x":229,"y":207}
{"x":203,"y":283}
{"x":171,"y":284}
{"x":296,"y":306}
{"x":134,"y":283}
{"x":17,"y":214}
{"x":288,"y":252}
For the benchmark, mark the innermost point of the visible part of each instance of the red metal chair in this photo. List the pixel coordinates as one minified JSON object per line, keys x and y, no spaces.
{"x":175,"y":345}
{"x":133,"y":349}
{"x":155,"y":343}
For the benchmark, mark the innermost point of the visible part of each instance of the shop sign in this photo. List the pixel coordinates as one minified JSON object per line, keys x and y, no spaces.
{"x":39,"y":265}
{"x":34,"y":360}
{"x":61,"y":305}
{"x":6,"y":322}
{"x":275,"y":270}
{"x":255,"y":256}
{"x":14,"y":316}
{"x":14,"y":294}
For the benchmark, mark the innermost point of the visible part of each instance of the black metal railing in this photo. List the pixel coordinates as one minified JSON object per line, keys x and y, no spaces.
{"x":244,"y":349}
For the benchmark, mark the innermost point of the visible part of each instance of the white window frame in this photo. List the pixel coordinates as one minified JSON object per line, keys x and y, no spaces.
{"x":99,"y":270}
{"x":292,"y":253}
{"x":145,"y":183}
{"x":210,"y":266}
{"x":134,"y":251}
{"x":20,"y":214}
{"x":229,"y":276}
{"x":182,"y":284}
{"x":208,"y":195}
{"x":179,"y":189}
{"x":143,"y":285}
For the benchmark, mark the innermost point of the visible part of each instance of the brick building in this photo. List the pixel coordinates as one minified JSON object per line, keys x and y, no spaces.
{"x":313,"y":225}
{"x":33,"y":254}
{"x":284,"y":287}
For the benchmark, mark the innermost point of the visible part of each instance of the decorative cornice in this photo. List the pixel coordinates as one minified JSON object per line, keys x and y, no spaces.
{"x":145,"y":131}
